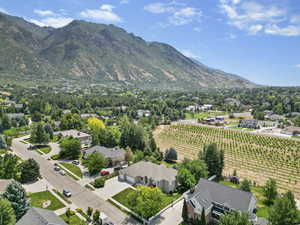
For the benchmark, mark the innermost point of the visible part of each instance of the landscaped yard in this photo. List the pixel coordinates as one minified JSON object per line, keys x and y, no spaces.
{"x":73,"y":168}
{"x":73,"y":220}
{"x":122,"y":198}
{"x":40,"y":200}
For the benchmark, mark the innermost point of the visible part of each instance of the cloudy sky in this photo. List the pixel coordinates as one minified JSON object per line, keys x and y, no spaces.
{"x":257,"y":39}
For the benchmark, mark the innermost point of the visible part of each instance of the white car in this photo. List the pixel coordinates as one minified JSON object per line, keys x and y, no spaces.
{"x":63,"y":173}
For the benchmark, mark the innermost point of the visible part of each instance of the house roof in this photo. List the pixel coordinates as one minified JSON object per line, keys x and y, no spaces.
{"x":36,"y":216}
{"x":71,"y":133}
{"x":151,"y":170}
{"x":292,"y":129}
{"x":3,"y":184}
{"x":107,"y":153}
{"x":208,"y":192}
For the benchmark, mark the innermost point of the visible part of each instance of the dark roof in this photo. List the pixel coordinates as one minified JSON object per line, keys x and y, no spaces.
{"x":106,"y":152}
{"x":36,"y":216}
{"x":208,"y":192}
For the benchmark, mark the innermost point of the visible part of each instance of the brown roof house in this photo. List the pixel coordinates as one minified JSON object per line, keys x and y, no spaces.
{"x":150,"y":174}
{"x":85,"y":139}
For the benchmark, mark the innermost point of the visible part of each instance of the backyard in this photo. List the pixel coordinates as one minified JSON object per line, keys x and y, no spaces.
{"x":45,"y":200}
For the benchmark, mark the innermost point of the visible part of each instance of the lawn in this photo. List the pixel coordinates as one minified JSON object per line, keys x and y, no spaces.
{"x":44,"y":148}
{"x":3,"y":151}
{"x":122,"y":198}
{"x":202,"y":115}
{"x":74,"y":220}
{"x":73,"y":168}
{"x":37,"y":199}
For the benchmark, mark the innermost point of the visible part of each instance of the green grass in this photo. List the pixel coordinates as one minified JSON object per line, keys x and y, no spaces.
{"x":227,"y":183}
{"x":74,"y":220}
{"x":37,"y":199}
{"x":45,"y":149}
{"x":123,"y":199}
{"x":202,"y":115}
{"x":67,"y":172}
{"x":3,"y":151}
{"x":73,"y":168}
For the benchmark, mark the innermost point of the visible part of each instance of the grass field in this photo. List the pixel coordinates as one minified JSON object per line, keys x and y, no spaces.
{"x":37,"y":199}
{"x":256,"y":157}
{"x":73,"y":220}
{"x":123,"y":199}
{"x":73,"y":168}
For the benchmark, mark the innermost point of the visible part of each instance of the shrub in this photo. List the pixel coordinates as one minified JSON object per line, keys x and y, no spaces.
{"x":55,"y":157}
{"x":99,"y":182}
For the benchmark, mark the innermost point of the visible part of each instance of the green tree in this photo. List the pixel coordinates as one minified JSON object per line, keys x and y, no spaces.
{"x":89,"y":211}
{"x":234,"y":218}
{"x":197,"y":167}
{"x":95,"y":124}
{"x":9,"y":166}
{"x":30,"y":171}
{"x":133,"y":136}
{"x":96,"y":217}
{"x":70,"y":148}
{"x":68,"y":214}
{"x":284,"y":211}
{"x":171,"y":154}
{"x":246,"y":185}
{"x":16,"y":194}
{"x":185,"y":178}
{"x":128,"y":155}
{"x":7,"y":214}
{"x":5,"y":123}
{"x":146,"y":201}
{"x":39,"y":135}
{"x":270,"y":191}
{"x":95,"y":163}
{"x":49,"y":130}
{"x":70,"y":121}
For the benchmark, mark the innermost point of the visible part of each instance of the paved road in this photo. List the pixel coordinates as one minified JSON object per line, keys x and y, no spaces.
{"x":82,"y":197}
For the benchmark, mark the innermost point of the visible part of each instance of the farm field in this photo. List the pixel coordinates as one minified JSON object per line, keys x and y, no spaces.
{"x":254,"y":156}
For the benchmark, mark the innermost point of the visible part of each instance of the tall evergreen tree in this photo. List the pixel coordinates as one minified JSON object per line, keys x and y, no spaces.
{"x":16,"y":194}
{"x":7,"y":214}
{"x":30,"y":171}
{"x":39,"y":135}
{"x":270,"y":191}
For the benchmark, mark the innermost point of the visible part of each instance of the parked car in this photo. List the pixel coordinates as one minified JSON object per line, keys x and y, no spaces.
{"x":104,"y":173}
{"x":108,"y":223}
{"x":67,"y":193}
{"x":76,"y":162}
{"x":56,"y":168}
{"x":63,"y":173}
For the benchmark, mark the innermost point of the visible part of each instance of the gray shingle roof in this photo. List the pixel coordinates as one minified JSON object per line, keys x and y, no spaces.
{"x":207,"y":192}
{"x":36,"y":216}
{"x":107,"y":153}
{"x":151,"y":170}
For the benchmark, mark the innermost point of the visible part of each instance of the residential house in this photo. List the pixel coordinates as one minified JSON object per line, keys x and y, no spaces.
{"x":217,"y":199}
{"x":3,"y":184}
{"x":251,"y":124}
{"x":214,"y":120}
{"x":114,"y":156}
{"x":294,"y":131}
{"x":36,"y":216}
{"x":150,"y":174}
{"x":88,"y":115}
{"x":85,"y":139}
{"x":142,"y":113}
{"x":15,"y":116}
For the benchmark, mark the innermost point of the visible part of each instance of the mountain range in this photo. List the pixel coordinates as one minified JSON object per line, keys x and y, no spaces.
{"x":100,"y":53}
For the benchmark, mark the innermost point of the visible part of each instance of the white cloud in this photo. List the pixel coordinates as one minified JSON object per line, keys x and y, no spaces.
{"x":289,"y":30}
{"x":298,"y":65}
{"x":104,"y":13}
{"x":159,"y":8}
{"x":178,"y":13}
{"x":255,"y":17}
{"x":198,"y":29}
{"x":55,"y":22}
{"x":44,"y":12}
{"x":189,"y":54}
{"x":124,"y":1}
{"x":3,"y":10}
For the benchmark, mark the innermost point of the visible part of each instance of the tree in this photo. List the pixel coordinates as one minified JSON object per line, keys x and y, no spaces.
{"x":5,"y":123}
{"x":96,"y":218}
{"x":146,"y":201}
{"x":70,"y":148}
{"x":95,"y":163}
{"x":184,"y":213}
{"x":270,"y":191}
{"x":89,"y":211}
{"x":246,"y":185}
{"x":133,"y":136}
{"x":185,"y":178}
{"x":7,"y":214}
{"x":95,"y":124}
{"x":9,"y":166}
{"x":16,"y":194}
{"x":30,"y":171}
{"x":68,"y":214}
{"x":234,"y":218}
{"x":197,"y":167}
{"x":3,"y":144}
{"x":70,"y":121}
{"x":171,"y":154}
{"x":108,"y":137}
{"x":214,"y":159}
{"x":128,"y":155}
{"x":284,"y":211}
{"x":49,"y":130}
{"x":39,"y":135}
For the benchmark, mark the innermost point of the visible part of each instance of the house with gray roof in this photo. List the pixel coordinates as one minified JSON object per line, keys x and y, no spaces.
{"x":114,"y":156}
{"x":217,"y":199}
{"x":36,"y":216}
{"x":150,"y":174}
{"x":85,"y":139}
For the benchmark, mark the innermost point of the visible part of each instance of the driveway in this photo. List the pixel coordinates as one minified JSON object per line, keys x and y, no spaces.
{"x":112,"y":187}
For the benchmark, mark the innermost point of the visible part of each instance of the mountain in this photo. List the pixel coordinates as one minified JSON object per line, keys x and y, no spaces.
{"x":100,"y":53}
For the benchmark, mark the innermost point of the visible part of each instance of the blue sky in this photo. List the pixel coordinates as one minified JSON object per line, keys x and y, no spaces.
{"x":257,"y":39}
